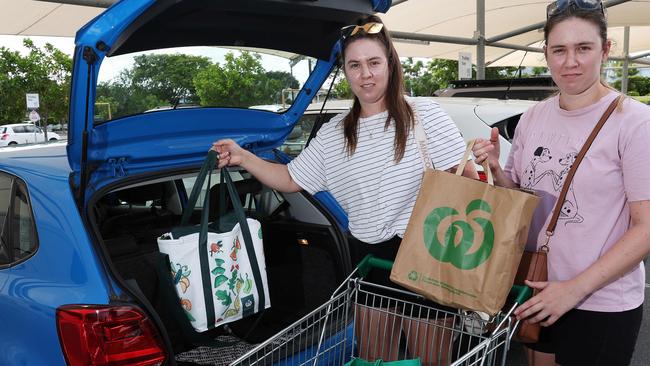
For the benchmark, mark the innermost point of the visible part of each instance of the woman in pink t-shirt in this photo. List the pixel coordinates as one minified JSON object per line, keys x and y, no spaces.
{"x":592,"y":305}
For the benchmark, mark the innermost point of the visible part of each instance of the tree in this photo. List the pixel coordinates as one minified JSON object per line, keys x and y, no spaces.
{"x":168,"y":77}
{"x":44,"y":71}
{"x":341,"y":88}
{"x":419,"y":79}
{"x":636,"y":85}
{"x":124,"y":99}
{"x":240,"y":82}
{"x":276,"y":81}
{"x":540,"y":70}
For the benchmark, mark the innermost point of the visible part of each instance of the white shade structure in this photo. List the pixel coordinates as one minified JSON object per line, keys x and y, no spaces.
{"x":39,"y":18}
{"x":440,"y":28}
{"x":508,"y":29}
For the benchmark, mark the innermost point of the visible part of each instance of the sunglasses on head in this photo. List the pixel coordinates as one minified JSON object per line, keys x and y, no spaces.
{"x":559,"y":6}
{"x":368,"y":28}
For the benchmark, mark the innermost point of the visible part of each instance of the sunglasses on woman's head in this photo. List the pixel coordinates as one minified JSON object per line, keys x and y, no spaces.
{"x":559,"y":6}
{"x":368,"y":28}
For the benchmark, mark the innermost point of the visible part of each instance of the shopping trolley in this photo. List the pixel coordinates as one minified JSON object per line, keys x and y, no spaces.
{"x":364,"y":319}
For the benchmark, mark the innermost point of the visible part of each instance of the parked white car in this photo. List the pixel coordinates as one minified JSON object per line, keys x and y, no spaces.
{"x":24,"y":133}
{"x":474,"y":117}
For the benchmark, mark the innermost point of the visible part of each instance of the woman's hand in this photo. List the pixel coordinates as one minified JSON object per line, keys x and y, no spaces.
{"x":553,"y":301}
{"x":488,"y":149}
{"x":230,"y":153}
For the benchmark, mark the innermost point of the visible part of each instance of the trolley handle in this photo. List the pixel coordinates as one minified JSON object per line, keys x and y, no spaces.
{"x":369,"y":262}
{"x":522,"y":293}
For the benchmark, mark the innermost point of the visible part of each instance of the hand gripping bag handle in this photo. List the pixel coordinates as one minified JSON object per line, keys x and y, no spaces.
{"x":206,"y":171}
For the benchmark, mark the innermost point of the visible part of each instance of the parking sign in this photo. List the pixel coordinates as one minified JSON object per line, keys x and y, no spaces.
{"x":32,"y":101}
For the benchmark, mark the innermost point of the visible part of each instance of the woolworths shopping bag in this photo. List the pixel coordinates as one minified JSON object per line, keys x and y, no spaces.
{"x":464,"y":240}
{"x":219,"y":269}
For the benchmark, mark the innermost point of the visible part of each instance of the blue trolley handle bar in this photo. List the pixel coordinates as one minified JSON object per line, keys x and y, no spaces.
{"x":369,"y":262}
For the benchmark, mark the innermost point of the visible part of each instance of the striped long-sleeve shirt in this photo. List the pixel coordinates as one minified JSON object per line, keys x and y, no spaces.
{"x":377,"y":194}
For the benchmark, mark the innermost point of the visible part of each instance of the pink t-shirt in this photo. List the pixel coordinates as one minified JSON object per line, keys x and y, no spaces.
{"x":595,"y":213}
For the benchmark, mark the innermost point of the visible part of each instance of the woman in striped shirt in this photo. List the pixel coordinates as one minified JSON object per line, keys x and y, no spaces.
{"x":367,"y":158}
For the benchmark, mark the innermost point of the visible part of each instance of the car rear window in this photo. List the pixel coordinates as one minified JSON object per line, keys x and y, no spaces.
{"x":18,"y":234}
{"x":194,"y":77}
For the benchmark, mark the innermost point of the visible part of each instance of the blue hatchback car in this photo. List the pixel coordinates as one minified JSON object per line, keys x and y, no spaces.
{"x":81,"y":278}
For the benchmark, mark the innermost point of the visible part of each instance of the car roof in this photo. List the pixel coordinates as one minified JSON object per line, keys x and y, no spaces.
{"x":49,"y":159}
{"x":488,"y":109}
{"x":17,"y":124}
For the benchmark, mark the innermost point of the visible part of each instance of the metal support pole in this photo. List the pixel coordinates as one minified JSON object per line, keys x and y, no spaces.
{"x":645,"y":54}
{"x":626,"y":59}
{"x":540,"y":25}
{"x":397,"y":36}
{"x":480,"y":37}
{"x":641,"y":61}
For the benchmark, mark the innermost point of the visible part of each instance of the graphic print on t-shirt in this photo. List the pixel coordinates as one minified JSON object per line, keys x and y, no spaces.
{"x":533,"y":174}
{"x":569,"y":210}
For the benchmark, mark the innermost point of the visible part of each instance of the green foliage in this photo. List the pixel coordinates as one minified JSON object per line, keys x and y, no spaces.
{"x":443,"y":71}
{"x":124,"y":99}
{"x":341,"y":89}
{"x":168,"y":77}
{"x":643,"y":99}
{"x":241,"y":82}
{"x":506,"y":72}
{"x":153,"y":81}
{"x":424,"y":80}
{"x":618,"y":69}
{"x":278,"y":80}
{"x":540,"y":70}
{"x":45,"y":71}
{"x":636,"y":85}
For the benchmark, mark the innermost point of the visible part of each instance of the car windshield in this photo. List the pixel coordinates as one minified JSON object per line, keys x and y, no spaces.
{"x":193,"y":77}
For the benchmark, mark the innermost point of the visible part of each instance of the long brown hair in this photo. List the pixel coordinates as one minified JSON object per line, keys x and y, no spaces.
{"x":398,"y":108}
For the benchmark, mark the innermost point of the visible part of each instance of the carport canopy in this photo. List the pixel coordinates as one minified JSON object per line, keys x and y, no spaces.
{"x":495,"y":32}
{"x":438,"y":29}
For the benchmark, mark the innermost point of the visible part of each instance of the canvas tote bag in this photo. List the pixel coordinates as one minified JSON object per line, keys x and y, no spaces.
{"x":464,"y":240}
{"x":218,"y":270}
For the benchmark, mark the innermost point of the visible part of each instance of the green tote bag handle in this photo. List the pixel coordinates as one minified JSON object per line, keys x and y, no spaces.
{"x":206,"y":172}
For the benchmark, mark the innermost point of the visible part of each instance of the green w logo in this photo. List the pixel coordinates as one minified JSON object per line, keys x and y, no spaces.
{"x":457,"y":255}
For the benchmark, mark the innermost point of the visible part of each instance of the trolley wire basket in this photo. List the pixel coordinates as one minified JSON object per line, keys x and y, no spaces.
{"x":370,"y":321}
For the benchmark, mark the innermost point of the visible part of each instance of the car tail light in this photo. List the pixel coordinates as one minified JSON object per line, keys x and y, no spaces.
{"x":4,"y":136}
{"x":108,"y":336}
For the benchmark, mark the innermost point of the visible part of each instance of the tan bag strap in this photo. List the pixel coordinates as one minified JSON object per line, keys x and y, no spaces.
{"x":421,"y":140}
{"x":565,"y":189}
{"x":465,"y":159}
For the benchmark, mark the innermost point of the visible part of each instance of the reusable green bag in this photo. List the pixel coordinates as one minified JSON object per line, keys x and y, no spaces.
{"x":360,"y":362}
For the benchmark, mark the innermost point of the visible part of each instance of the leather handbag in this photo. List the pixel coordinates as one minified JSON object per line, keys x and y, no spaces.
{"x":533,"y":265}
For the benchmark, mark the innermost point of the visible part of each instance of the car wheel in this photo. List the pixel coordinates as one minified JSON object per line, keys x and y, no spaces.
{"x":13,"y":143}
{"x":53,"y":139}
